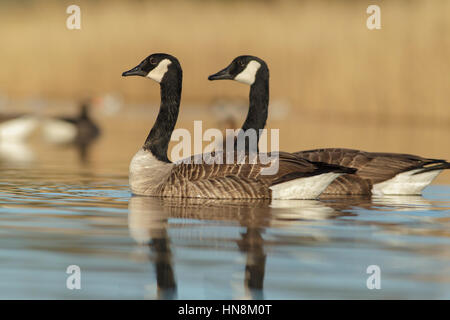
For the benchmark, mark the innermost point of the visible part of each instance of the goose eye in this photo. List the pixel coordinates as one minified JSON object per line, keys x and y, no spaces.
{"x":241,"y":63}
{"x":152,"y":60}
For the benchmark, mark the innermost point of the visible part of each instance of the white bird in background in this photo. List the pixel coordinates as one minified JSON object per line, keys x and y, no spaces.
{"x":15,"y":126}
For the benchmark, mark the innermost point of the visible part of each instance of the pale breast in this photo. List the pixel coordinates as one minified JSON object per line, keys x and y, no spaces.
{"x":147,"y":174}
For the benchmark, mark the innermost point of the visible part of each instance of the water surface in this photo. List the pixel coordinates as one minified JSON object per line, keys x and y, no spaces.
{"x":60,"y":207}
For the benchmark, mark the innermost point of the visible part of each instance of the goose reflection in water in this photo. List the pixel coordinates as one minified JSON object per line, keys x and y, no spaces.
{"x":16,"y":153}
{"x":149,"y":223}
{"x":151,"y":218}
{"x":403,"y":203}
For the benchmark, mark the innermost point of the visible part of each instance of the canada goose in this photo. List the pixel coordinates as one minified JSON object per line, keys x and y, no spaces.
{"x":16,"y":126}
{"x":79,"y":129}
{"x":377,"y":173}
{"x":153,"y":174}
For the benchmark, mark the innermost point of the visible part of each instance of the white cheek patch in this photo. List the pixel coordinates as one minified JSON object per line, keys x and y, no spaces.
{"x":158,"y":73}
{"x":248,"y":75}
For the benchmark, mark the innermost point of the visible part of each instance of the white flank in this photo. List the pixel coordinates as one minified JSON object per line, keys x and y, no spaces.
{"x":405,"y":183}
{"x":248,"y":75}
{"x":303,"y":188}
{"x":147,"y":173}
{"x":17,"y":129}
{"x":158,"y":73}
{"x":59,"y":131}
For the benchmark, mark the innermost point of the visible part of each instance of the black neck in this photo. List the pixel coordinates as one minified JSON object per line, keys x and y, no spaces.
{"x":84,"y":112}
{"x":259,"y":103}
{"x":159,"y":137}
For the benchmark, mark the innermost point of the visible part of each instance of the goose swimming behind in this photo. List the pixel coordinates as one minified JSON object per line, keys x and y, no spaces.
{"x":379,"y":173}
{"x":376,"y":173}
{"x":153,"y":174}
{"x":79,"y":129}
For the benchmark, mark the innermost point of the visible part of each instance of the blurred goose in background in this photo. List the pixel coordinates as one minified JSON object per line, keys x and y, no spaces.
{"x":376,"y":173}
{"x":153,"y":174}
{"x":14,"y":130}
{"x":227,"y":112}
{"x":110,"y":104}
{"x":80,"y":129}
{"x":17,"y":127}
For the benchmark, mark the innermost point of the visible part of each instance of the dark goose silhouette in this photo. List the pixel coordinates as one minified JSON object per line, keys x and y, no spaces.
{"x":79,"y":129}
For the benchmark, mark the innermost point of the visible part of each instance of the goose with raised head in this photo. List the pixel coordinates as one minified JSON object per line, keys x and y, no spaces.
{"x":376,"y":173}
{"x":153,"y":174}
{"x":79,"y":129}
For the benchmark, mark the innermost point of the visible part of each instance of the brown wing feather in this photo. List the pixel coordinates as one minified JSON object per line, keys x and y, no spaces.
{"x":374,"y":167}
{"x":348,"y":184}
{"x":237,"y":180}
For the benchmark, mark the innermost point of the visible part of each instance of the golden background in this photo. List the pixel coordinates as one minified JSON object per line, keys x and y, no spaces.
{"x":334,"y":83}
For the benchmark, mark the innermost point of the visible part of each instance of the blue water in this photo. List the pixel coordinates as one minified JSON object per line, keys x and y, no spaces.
{"x":53,"y":216}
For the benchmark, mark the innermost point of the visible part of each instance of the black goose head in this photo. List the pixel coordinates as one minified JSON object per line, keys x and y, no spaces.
{"x":245,"y":69}
{"x":160,"y":67}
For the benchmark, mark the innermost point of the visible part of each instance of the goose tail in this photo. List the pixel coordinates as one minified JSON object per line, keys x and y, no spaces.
{"x":433,"y":166}
{"x":309,"y":186}
{"x":412,"y":181}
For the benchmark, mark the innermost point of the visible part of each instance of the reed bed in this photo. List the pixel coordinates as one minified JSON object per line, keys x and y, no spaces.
{"x":345,"y":85}
{"x":323,"y":59}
